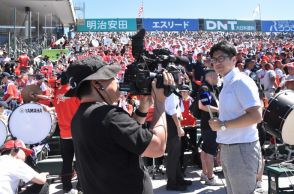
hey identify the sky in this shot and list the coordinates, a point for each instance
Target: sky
(207, 9)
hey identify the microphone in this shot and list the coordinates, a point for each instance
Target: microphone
(205, 98)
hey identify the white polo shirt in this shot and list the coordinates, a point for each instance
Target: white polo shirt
(172, 105)
(238, 94)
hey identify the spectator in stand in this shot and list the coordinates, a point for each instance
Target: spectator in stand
(198, 73)
(287, 82)
(23, 61)
(13, 169)
(31, 80)
(240, 66)
(249, 66)
(279, 71)
(47, 94)
(4, 112)
(269, 81)
(10, 91)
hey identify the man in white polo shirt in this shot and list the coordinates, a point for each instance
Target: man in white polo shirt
(239, 112)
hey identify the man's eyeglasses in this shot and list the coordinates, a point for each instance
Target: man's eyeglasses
(219, 59)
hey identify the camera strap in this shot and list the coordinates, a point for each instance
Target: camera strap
(100, 95)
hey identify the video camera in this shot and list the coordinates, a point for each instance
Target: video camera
(149, 65)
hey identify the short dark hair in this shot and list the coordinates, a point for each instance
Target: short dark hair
(225, 47)
(84, 89)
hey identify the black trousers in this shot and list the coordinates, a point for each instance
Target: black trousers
(67, 154)
(188, 143)
(173, 168)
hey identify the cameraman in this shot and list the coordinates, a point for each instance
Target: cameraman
(109, 142)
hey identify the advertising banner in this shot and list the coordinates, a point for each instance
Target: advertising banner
(229, 25)
(54, 54)
(171, 24)
(107, 25)
(277, 26)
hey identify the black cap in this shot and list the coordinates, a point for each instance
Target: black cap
(90, 68)
(5, 74)
(184, 88)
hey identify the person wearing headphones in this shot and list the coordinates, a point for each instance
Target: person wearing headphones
(13, 169)
(108, 142)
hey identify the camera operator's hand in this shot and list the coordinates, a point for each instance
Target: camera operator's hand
(158, 93)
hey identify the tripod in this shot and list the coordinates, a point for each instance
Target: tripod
(155, 169)
(276, 155)
(290, 151)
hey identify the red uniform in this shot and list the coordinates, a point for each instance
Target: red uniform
(65, 108)
(188, 119)
(10, 90)
(23, 60)
(48, 92)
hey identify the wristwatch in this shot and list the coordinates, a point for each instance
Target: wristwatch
(223, 126)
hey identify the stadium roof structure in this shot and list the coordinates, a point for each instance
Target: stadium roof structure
(49, 11)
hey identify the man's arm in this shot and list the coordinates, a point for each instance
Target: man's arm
(40, 178)
(252, 116)
(145, 103)
(9, 99)
(205, 108)
(177, 121)
(156, 147)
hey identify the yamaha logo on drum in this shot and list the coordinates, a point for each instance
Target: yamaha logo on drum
(31, 110)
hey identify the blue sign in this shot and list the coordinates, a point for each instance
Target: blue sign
(171, 24)
(229, 25)
(277, 26)
(107, 25)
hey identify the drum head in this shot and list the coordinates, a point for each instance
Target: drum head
(30, 123)
(288, 130)
(3, 133)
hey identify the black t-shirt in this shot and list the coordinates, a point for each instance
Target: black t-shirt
(198, 70)
(108, 144)
(205, 117)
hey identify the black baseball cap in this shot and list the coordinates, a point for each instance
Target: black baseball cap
(184, 88)
(90, 68)
(5, 74)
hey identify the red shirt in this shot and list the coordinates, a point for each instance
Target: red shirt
(23, 60)
(188, 119)
(10, 90)
(149, 116)
(65, 108)
(47, 70)
(47, 92)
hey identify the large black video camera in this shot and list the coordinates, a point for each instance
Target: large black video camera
(149, 65)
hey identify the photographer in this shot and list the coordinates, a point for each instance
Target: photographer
(108, 142)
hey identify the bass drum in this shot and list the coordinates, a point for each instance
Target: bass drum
(3, 133)
(279, 116)
(32, 123)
